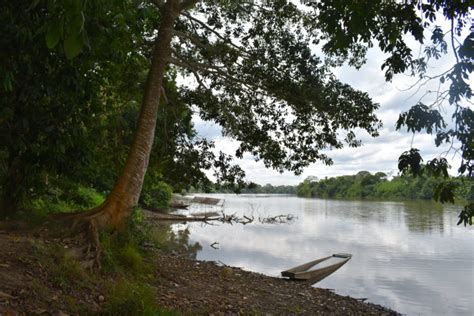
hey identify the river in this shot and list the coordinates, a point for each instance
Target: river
(409, 256)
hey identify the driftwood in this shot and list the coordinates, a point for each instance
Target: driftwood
(224, 218)
(180, 218)
(279, 219)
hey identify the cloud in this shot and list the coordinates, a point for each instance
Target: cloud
(376, 154)
(206, 129)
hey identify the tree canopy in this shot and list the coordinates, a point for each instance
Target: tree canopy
(75, 73)
(365, 185)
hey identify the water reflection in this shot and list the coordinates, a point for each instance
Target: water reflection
(174, 239)
(409, 256)
(424, 216)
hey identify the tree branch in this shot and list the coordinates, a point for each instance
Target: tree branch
(452, 41)
(219, 35)
(186, 4)
(196, 41)
(183, 64)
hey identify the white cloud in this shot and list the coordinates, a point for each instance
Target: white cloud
(376, 154)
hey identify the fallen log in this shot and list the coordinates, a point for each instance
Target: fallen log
(176, 217)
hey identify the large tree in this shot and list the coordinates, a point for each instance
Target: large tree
(274, 95)
(257, 75)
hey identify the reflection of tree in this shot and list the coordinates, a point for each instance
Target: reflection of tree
(175, 242)
(418, 216)
(422, 216)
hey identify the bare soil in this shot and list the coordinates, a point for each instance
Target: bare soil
(32, 283)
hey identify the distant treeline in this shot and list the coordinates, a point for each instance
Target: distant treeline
(251, 188)
(365, 185)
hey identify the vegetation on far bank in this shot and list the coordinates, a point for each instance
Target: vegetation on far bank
(365, 185)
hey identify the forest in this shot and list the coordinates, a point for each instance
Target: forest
(98, 101)
(94, 126)
(365, 185)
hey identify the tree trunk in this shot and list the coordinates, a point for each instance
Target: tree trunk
(124, 196)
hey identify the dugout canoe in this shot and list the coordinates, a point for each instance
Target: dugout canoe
(317, 270)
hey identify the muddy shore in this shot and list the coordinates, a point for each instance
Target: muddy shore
(183, 285)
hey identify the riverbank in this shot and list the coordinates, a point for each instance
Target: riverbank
(37, 277)
(206, 288)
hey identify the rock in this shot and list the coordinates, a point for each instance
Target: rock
(101, 298)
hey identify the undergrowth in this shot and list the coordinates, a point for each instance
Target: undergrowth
(63, 197)
(127, 259)
(129, 297)
(125, 280)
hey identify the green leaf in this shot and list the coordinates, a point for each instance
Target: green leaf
(467, 214)
(438, 167)
(73, 45)
(410, 162)
(53, 34)
(76, 24)
(444, 191)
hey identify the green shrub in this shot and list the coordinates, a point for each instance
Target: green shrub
(122, 252)
(131, 257)
(39, 208)
(87, 197)
(157, 195)
(62, 196)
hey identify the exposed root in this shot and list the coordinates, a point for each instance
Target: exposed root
(85, 228)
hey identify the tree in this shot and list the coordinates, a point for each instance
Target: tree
(250, 90)
(66, 117)
(256, 75)
(42, 124)
(351, 28)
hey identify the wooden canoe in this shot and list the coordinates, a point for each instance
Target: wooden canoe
(205, 200)
(317, 270)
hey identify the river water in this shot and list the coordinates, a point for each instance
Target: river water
(409, 256)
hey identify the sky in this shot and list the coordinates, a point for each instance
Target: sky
(376, 154)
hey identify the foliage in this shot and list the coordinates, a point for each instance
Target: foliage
(156, 195)
(255, 188)
(132, 298)
(60, 196)
(283, 113)
(81, 128)
(254, 73)
(123, 253)
(364, 185)
(466, 215)
(42, 124)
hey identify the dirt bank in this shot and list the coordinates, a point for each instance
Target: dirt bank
(32, 282)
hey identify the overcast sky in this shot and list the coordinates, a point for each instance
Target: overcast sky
(376, 154)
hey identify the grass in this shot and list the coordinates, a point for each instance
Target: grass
(64, 271)
(126, 277)
(125, 280)
(128, 297)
